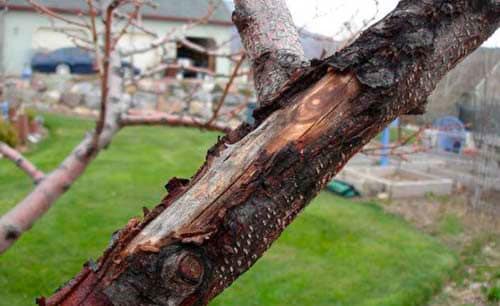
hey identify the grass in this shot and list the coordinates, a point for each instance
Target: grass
(337, 253)
(494, 294)
(451, 225)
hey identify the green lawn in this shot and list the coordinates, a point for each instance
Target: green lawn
(337, 253)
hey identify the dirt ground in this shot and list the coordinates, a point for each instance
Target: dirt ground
(473, 233)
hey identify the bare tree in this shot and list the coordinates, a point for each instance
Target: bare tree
(211, 229)
(118, 18)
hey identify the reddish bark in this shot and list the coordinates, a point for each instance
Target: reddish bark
(160, 118)
(21, 162)
(209, 231)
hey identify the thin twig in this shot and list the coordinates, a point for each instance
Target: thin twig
(226, 90)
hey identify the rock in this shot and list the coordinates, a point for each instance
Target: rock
(92, 100)
(144, 100)
(58, 82)
(71, 99)
(51, 97)
(172, 105)
(83, 88)
(39, 85)
(82, 111)
(475, 286)
(201, 109)
(383, 196)
(234, 123)
(203, 96)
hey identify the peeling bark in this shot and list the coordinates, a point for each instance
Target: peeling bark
(272, 43)
(210, 230)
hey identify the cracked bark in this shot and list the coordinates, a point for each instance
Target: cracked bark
(211, 229)
(271, 41)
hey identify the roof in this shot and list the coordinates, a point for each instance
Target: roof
(171, 10)
(317, 45)
(314, 45)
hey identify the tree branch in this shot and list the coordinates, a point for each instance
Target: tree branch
(22, 217)
(210, 230)
(272, 43)
(159, 118)
(234, 75)
(21, 162)
(111, 119)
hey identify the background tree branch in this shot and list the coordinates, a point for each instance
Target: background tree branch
(114, 107)
(21, 162)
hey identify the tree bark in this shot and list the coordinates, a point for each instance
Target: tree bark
(272, 42)
(210, 230)
(21, 162)
(159, 118)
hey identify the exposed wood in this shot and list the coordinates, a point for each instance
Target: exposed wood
(210, 230)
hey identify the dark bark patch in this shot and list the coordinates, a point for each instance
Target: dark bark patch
(376, 77)
(11, 232)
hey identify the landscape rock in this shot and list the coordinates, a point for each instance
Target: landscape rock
(51, 97)
(201, 109)
(71, 99)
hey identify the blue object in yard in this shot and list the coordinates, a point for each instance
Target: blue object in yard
(251, 107)
(27, 72)
(451, 134)
(5, 110)
(395, 123)
(386, 138)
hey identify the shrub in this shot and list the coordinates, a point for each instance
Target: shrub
(8, 134)
(31, 113)
(494, 294)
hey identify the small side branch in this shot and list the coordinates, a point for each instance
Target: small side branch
(272, 42)
(21, 162)
(234, 75)
(159, 118)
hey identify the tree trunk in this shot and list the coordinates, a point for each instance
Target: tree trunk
(210, 230)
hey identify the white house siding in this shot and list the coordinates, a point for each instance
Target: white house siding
(2, 30)
(25, 32)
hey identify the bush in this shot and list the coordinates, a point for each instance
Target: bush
(8, 134)
(31, 113)
(494, 294)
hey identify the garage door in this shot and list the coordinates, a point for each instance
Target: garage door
(47, 39)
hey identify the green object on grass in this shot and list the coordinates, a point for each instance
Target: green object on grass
(343, 189)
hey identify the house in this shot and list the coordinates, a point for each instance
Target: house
(23, 31)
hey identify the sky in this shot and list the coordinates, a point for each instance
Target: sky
(328, 16)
